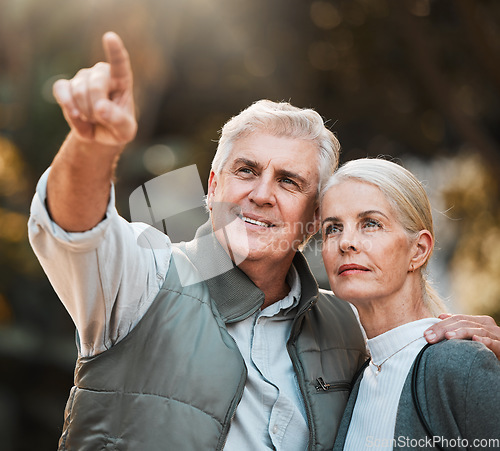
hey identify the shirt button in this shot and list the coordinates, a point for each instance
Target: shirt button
(275, 429)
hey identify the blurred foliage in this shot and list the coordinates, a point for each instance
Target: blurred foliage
(475, 266)
(414, 79)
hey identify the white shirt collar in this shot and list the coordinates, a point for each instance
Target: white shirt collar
(291, 300)
(387, 344)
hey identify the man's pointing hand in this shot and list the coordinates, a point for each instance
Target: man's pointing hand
(98, 102)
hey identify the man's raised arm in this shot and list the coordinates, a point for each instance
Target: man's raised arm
(98, 105)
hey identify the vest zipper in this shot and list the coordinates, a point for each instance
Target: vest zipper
(234, 406)
(226, 431)
(300, 373)
(323, 386)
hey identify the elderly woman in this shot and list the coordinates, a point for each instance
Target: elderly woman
(377, 239)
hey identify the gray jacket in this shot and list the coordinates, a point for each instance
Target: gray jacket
(175, 381)
(458, 387)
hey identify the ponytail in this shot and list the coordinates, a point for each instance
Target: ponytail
(432, 300)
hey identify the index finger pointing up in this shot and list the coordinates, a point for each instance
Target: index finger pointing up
(117, 56)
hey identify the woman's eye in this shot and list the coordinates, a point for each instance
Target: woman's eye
(332, 229)
(372, 224)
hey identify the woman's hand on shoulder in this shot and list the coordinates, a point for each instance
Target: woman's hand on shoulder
(490, 343)
(467, 327)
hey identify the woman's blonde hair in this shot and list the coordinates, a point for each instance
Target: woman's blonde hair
(408, 198)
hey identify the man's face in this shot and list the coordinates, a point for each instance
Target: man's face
(264, 201)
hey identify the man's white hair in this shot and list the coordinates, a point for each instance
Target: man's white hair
(282, 120)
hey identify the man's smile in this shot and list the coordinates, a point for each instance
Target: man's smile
(258, 222)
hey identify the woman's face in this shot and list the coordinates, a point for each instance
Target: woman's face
(366, 252)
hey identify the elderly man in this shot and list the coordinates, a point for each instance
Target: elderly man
(173, 355)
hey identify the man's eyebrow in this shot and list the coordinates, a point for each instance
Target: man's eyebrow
(246, 162)
(281, 172)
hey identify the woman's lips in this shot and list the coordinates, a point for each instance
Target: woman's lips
(351, 269)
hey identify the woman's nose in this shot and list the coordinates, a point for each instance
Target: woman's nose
(349, 243)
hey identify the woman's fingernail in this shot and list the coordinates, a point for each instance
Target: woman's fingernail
(451, 334)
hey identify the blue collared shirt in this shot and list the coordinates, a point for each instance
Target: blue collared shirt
(271, 414)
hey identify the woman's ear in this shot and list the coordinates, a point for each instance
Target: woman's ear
(212, 184)
(423, 247)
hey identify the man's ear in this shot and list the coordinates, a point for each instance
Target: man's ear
(212, 184)
(423, 247)
(315, 225)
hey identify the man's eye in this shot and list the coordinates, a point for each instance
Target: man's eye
(245, 171)
(288, 181)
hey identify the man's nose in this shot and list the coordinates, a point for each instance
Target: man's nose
(263, 192)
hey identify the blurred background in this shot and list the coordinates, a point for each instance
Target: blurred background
(418, 80)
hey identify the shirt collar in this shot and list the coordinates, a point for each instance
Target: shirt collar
(391, 342)
(235, 295)
(291, 300)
